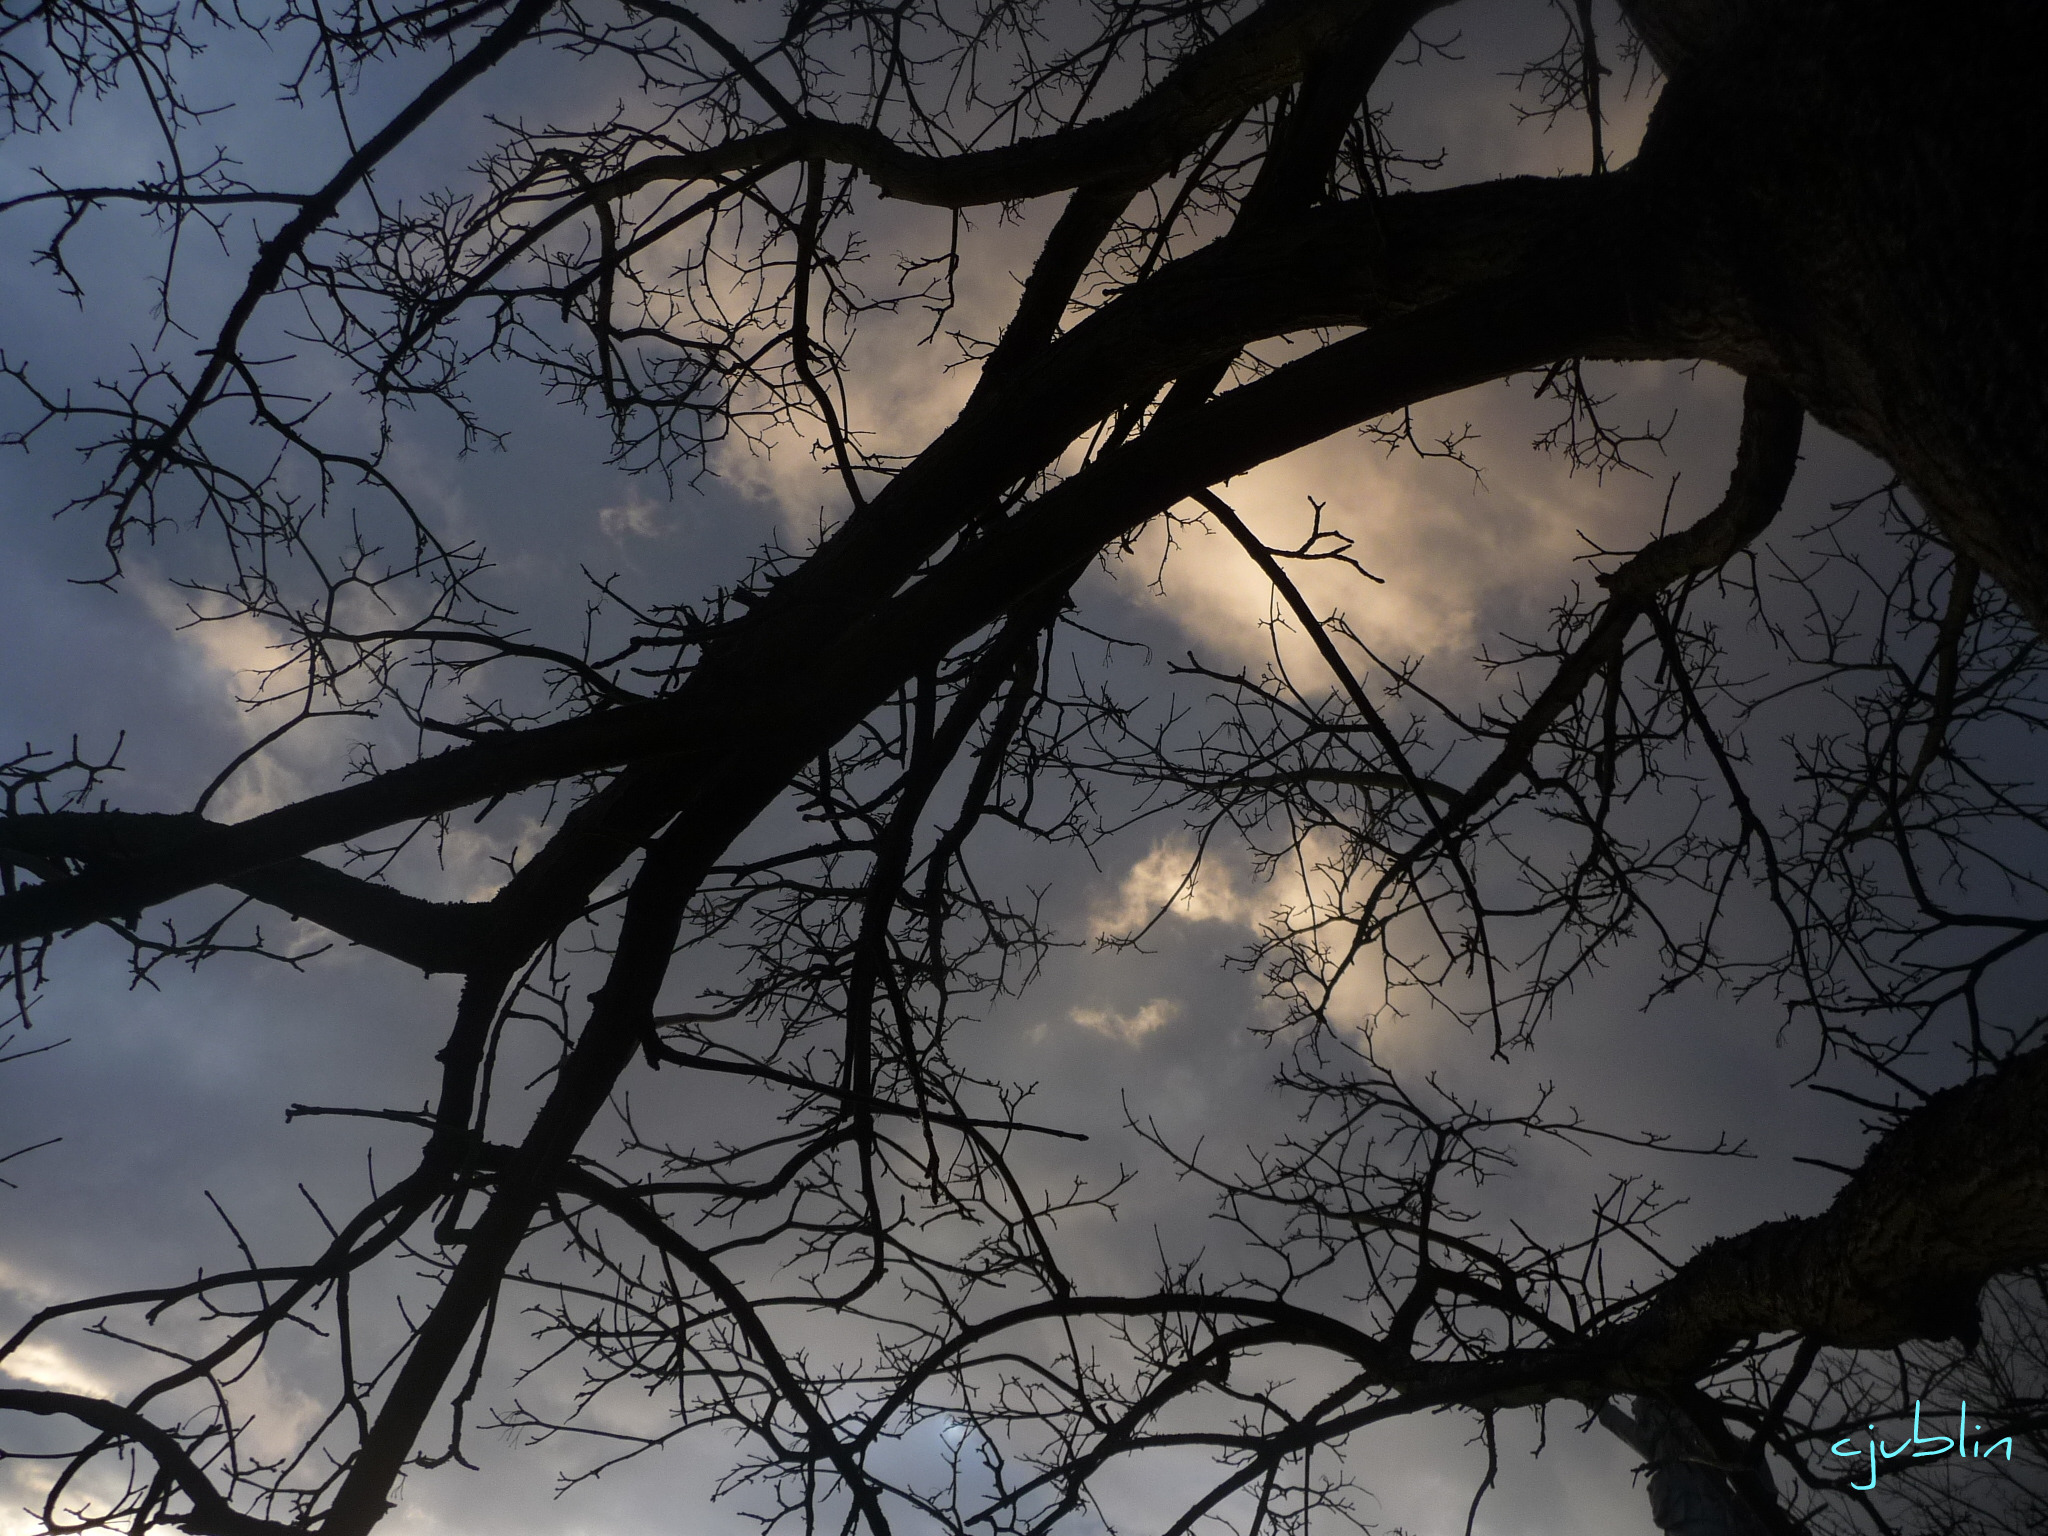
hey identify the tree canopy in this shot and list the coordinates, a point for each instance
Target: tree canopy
(957, 325)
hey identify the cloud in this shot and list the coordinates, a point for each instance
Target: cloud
(905, 377)
(1312, 895)
(236, 661)
(1166, 880)
(1460, 558)
(47, 1365)
(1128, 1027)
(1457, 559)
(637, 517)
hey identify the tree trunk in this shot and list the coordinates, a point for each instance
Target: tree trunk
(1689, 1494)
(1841, 190)
(1840, 194)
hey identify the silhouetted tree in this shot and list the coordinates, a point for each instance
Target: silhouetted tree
(1830, 200)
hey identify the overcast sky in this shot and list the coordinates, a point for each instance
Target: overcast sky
(168, 1095)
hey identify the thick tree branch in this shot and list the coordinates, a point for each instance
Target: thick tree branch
(281, 249)
(1953, 1195)
(1247, 64)
(621, 1014)
(211, 1513)
(1956, 1193)
(433, 935)
(1492, 279)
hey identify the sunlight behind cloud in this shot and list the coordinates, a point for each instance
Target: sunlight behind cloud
(908, 372)
(47, 1365)
(239, 657)
(1459, 557)
(1166, 880)
(1308, 903)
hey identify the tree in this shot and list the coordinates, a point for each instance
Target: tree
(1825, 202)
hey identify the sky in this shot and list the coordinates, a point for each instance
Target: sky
(169, 1097)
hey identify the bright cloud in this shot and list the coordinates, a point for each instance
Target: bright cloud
(1166, 879)
(47, 1365)
(1128, 1027)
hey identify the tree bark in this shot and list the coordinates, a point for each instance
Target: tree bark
(1840, 193)
(1689, 1495)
